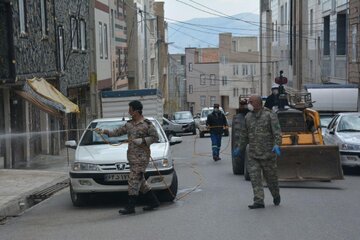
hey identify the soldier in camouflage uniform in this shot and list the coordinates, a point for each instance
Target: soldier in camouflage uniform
(262, 133)
(141, 134)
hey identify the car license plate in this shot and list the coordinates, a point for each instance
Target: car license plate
(116, 177)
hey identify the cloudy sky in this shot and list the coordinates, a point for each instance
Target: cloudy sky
(182, 10)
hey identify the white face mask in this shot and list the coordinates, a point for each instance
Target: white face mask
(250, 107)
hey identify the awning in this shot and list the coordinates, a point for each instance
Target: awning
(41, 93)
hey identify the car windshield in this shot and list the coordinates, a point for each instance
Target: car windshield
(90, 137)
(349, 123)
(182, 115)
(205, 113)
(325, 120)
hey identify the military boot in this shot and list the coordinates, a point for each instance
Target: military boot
(153, 201)
(130, 207)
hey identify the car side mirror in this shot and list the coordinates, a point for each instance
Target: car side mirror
(227, 113)
(71, 144)
(332, 131)
(175, 140)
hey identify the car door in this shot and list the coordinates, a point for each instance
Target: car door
(330, 137)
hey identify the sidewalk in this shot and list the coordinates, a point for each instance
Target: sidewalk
(19, 185)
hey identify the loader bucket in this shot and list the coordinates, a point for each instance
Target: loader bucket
(311, 162)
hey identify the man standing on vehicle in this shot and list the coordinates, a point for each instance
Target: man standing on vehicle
(274, 98)
(262, 133)
(141, 134)
(216, 121)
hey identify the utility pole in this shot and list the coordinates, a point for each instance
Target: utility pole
(145, 49)
(93, 78)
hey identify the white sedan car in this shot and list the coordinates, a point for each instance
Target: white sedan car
(344, 131)
(102, 166)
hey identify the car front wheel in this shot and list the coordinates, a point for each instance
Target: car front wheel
(168, 195)
(78, 199)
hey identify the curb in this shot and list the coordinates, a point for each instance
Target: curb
(18, 205)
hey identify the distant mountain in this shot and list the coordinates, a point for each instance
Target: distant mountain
(204, 32)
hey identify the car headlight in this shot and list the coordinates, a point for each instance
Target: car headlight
(85, 167)
(347, 146)
(161, 163)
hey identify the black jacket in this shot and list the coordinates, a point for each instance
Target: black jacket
(216, 122)
(273, 100)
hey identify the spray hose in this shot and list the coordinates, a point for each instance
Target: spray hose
(100, 133)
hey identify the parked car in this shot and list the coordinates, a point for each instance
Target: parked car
(344, 131)
(186, 119)
(201, 121)
(102, 166)
(172, 128)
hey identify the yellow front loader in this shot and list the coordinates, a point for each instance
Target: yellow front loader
(303, 153)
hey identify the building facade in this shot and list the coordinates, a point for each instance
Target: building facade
(177, 84)
(46, 39)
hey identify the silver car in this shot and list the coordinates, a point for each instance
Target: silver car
(344, 131)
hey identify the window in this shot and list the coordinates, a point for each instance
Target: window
(311, 69)
(234, 46)
(190, 89)
(285, 13)
(212, 100)
(245, 70)
(190, 67)
(44, 27)
(341, 34)
(235, 70)
(22, 16)
(106, 42)
(101, 46)
(212, 79)
(253, 69)
(74, 33)
(152, 63)
(223, 59)
(61, 48)
(244, 91)
(112, 23)
(353, 43)
(282, 17)
(327, 35)
(203, 101)
(224, 80)
(82, 34)
(234, 92)
(202, 79)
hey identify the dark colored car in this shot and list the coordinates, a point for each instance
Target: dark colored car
(186, 119)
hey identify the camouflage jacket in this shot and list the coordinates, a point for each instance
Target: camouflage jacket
(143, 129)
(261, 131)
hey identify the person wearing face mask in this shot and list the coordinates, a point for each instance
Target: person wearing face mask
(262, 133)
(273, 99)
(216, 121)
(141, 134)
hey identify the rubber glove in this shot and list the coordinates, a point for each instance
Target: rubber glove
(276, 150)
(137, 141)
(236, 152)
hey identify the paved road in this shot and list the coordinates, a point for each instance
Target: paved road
(217, 209)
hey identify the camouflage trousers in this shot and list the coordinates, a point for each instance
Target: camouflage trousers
(137, 182)
(257, 169)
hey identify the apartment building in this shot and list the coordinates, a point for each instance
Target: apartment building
(177, 83)
(202, 78)
(118, 45)
(46, 40)
(305, 39)
(239, 69)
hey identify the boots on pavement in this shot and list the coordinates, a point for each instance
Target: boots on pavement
(130, 207)
(152, 200)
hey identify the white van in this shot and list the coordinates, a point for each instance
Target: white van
(330, 99)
